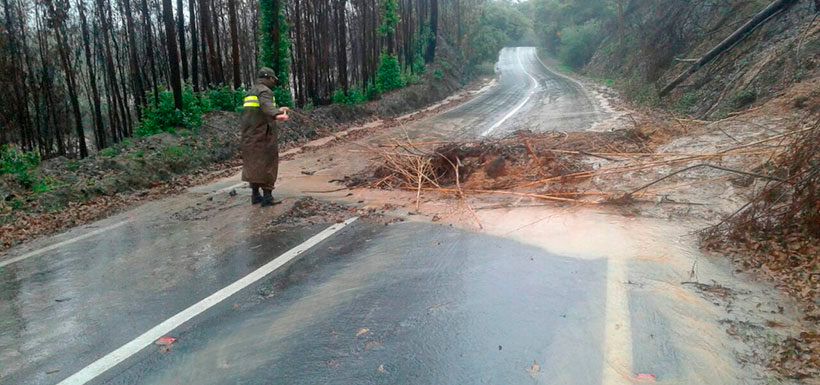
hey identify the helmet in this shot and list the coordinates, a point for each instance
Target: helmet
(266, 73)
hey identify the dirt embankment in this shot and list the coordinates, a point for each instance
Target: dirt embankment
(662, 39)
(135, 170)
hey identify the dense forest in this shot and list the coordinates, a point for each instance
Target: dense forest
(81, 75)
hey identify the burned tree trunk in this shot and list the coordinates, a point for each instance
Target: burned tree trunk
(183, 54)
(173, 56)
(99, 131)
(58, 18)
(237, 75)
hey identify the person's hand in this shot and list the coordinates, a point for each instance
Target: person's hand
(283, 118)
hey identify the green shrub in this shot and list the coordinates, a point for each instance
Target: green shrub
(354, 96)
(73, 165)
(744, 98)
(139, 154)
(418, 66)
(22, 165)
(110, 152)
(19, 163)
(687, 102)
(578, 43)
(339, 97)
(226, 99)
(164, 117)
(43, 185)
(438, 74)
(372, 92)
(411, 78)
(15, 161)
(388, 75)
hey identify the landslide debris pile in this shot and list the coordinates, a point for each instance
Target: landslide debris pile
(777, 233)
(520, 161)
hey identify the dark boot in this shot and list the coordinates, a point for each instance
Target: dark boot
(255, 196)
(267, 199)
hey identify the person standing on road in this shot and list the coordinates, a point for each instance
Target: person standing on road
(260, 135)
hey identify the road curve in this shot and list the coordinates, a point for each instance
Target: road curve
(528, 95)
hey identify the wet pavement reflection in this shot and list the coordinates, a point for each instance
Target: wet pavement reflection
(417, 303)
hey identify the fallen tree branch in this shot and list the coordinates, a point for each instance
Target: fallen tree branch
(761, 176)
(737, 36)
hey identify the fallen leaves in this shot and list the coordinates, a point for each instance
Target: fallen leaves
(797, 357)
(165, 343)
(534, 370)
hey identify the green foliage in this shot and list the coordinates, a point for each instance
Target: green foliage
(411, 78)
(554, 16)
(164, 117)
(744, 98)
(501, 24)
(19, 163)
(16, 162)
(276, 54)
(43, 185)
(418, 66)
(110, 152)
(390, 17)
(339, 97)
(438, 74)
(388, 75)
(226, 99)
(354, 97)
(372, 92)
(578, 43)
(686, 102)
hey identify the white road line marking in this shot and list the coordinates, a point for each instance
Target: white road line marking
(617, 347)
(523, 102)
(111, 360)
(60, 244)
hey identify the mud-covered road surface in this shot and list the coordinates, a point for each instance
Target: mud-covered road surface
(203, 288)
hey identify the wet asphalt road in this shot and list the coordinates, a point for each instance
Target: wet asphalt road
(413, 303)
(528, 96)
(408, 303)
